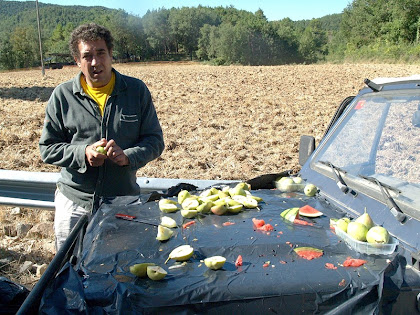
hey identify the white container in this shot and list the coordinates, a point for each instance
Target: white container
(368, 248)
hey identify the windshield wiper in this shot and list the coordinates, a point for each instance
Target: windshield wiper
(338, 179)
(392, 205)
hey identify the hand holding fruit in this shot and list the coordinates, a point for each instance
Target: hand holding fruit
(94, 157)
(116, 154)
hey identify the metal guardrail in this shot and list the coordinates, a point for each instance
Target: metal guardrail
(36, 189)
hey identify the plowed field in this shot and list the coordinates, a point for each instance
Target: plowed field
(231, 122)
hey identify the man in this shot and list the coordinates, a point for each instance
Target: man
(98, 108)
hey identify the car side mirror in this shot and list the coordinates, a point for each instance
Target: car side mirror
(306, 147)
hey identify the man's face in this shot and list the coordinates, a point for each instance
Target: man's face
(95, 61)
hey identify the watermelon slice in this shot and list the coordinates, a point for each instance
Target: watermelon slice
(308, 211)
(309, 253)
(290, 214)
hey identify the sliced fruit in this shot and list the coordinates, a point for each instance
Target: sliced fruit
(181, 253)
(308, 211)
(164, 233)
(168, 207)
(205, 207)
(140, 270)
(309, 253)
(290, 214)
(257, 222)
(215, 262)
(168, 222)
(190, 204)
(235, 208)
(182, 195)
(354, 262)
(189, 213)
(258, 199)
(248, 202)
(156, 273)
(219, 209)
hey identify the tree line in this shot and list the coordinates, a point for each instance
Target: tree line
(366, 30)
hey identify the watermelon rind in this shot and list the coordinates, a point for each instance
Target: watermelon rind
(308, 211)
(306, 248)
(290, 214)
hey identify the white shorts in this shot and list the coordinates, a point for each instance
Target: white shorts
(67, 214)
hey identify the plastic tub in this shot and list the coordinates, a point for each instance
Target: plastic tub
(368, 248)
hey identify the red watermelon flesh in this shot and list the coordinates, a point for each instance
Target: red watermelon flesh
(309, 253)
(354, 262)
(308, 211)
(257, 222)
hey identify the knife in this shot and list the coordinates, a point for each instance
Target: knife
(133, 218)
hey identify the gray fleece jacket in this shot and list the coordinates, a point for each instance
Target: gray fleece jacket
(73, 121)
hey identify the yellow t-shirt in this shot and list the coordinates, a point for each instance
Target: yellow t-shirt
(99, 95)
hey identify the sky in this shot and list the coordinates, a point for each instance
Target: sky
(273, 9)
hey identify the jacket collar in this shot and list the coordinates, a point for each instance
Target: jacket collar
(120, 84)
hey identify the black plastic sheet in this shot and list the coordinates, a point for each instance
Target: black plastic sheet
(272, 279)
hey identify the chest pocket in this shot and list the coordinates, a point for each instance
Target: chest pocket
(129, 118)
(130, 127)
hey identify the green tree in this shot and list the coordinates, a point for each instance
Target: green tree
(313, 42)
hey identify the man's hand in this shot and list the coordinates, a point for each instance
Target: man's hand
(116, 154)
(93, 157)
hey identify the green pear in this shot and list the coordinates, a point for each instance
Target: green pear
(164, 233)
(181, 253)
(168, 222)
(310, 190)
(377, 235)
(357, 231)
(237, 191)
(182, 195)
(189, 213)
(205, 207)
(101, 150)
(219, 209)
(140, 270)
(156, 273)
(365, 219)
(190, 203)
(215, 262)
(342, 224)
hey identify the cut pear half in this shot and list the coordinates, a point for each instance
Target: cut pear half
(215, 262)
(189, 213)
(190, 204)
(140, 270)
(168, 222)
(181, 253)
(168, 207)
(164, 233)
(248, 202)
(156, 273)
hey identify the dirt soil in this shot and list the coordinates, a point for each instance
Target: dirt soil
(231, 122)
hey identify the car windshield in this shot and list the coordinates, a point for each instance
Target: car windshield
(379, 138)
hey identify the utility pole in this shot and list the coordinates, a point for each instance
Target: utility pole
(39, 38)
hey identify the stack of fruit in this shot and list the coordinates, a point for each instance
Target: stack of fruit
(362, 229)
(295, 184)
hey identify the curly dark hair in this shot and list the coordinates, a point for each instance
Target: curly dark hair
(89, 32)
